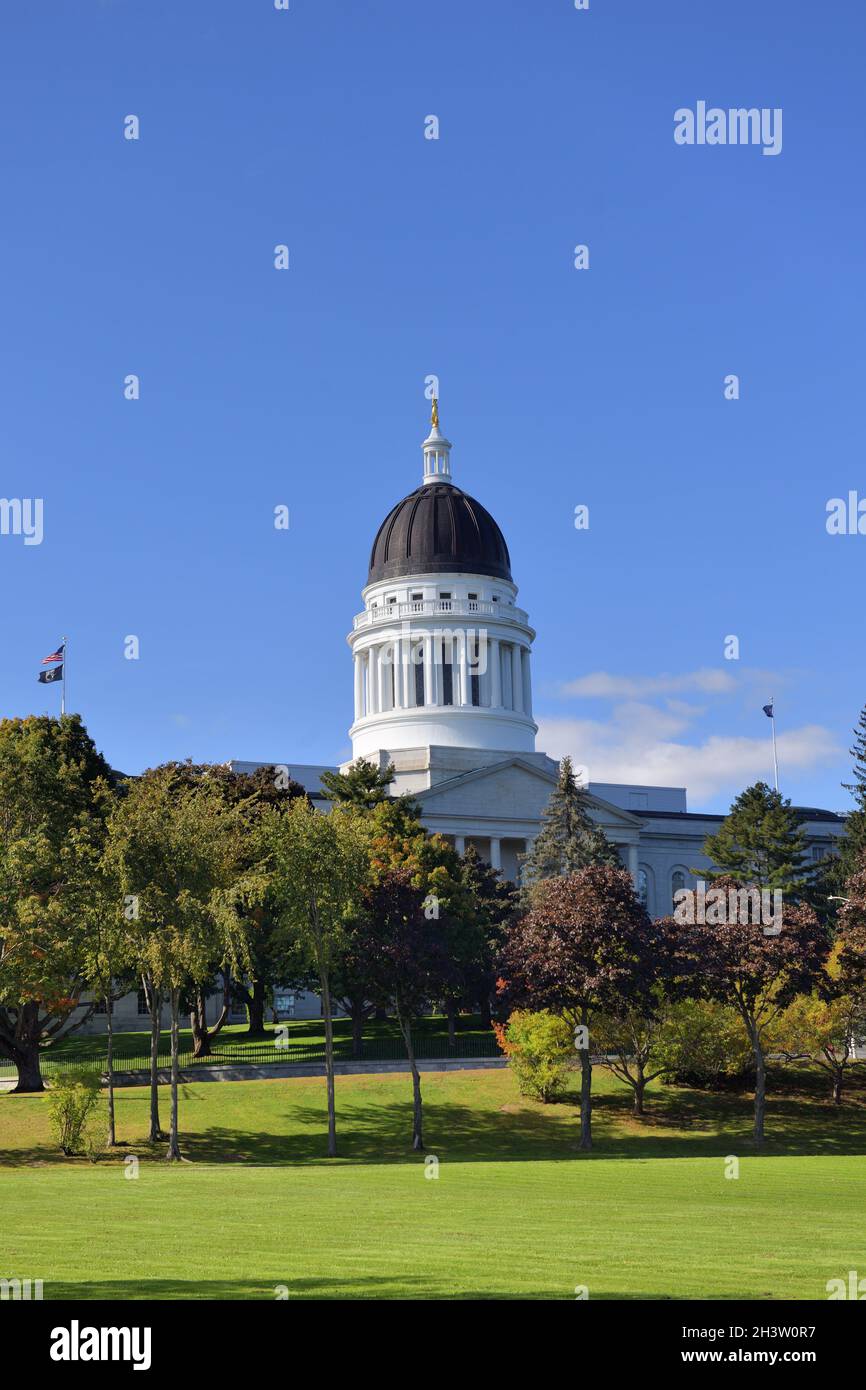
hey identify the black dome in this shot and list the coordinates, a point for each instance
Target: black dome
(438, 530)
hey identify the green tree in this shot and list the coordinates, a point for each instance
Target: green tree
(823, 1027)
(248, 793)
(702, 1043)
(760, 843)
(174, 847)
(569, 838)
(270, 963)
(364, 785)
(108, 951)
(52, 805)
(631, 1041)
(318, 867)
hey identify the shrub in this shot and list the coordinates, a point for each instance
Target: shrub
(72, 1097)
(704, 1044)
(540, 1049)
(95, 1138)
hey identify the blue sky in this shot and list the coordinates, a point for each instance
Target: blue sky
(409, 257)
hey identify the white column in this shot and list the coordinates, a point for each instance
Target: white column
(429, 674)
(372, 678)
(516, 679)
(396, 648)
(463, 659)
(495, 852)
(408, 674)
(495, 673)
(632, 864)
(460, 843)
(381, 677)
(527, 682)
(359, 686)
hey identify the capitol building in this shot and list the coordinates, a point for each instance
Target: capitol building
(442, 689)
(441, 681)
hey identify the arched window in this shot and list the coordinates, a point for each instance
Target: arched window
(643, 887)
(678, 883)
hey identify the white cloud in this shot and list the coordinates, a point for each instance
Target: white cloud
(601, 684)
(640, 744)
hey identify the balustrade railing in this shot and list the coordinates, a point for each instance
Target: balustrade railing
(398, 612)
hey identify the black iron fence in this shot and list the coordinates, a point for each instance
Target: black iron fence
(276, 1050)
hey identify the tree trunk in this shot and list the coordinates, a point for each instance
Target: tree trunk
(198, 1024)
(26, 1058)
(837, 1087)
(109, 1066)
(154, 1004)
(484, 1010)
(24, 1051)
(329, 1063)
(639, 1088)
(417, 1116)
(451, 1013)
(173, 1154)
(357, 1031)
(256, 1009)
(760, 1087)
(585, 1089)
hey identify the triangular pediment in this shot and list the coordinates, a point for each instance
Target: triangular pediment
(513, 787)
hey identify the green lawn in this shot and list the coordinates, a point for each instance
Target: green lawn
(233, 1041)
(516, 1211)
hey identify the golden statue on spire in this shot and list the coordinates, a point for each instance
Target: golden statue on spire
(434, 413)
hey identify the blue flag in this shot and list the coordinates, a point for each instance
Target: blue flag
(768, 710)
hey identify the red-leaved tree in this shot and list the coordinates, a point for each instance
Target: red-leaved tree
(756, 968)
(401, 956)
(586, 946)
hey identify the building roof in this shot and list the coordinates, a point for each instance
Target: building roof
(438, 529)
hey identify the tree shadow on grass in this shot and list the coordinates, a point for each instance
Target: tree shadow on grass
(407, 1286)
(679, 1123)
(676, 1126)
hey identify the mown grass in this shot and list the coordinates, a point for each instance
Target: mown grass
(515, 1212)
(234, 1037)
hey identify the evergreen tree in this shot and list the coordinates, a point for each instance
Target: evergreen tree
(569, 838)
(364, 785)
(853, 845)
(761, 844)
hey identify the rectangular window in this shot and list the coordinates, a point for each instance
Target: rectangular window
(142, 1003)
(417, 598)
(419, 682)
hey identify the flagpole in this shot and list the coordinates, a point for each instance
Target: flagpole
(775, 759)
(63, 684)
